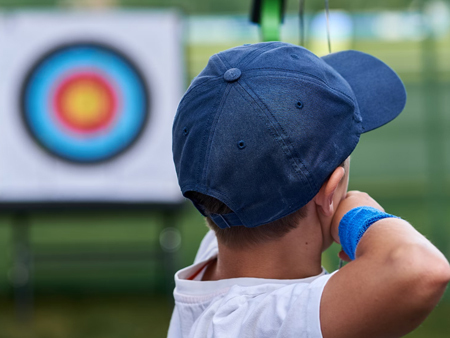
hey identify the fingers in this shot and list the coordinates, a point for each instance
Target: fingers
(359, 198)
(342, 255)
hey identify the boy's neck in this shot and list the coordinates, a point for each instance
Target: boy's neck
(296, 255)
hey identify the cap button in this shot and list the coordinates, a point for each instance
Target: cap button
(232, 74)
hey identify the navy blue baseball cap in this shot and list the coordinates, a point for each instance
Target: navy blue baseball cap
(263, 126)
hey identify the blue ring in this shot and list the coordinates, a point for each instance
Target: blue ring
(132, 98)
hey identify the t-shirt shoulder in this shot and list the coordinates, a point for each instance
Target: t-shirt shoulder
(253, 308)
(208, 247)
(245, 307)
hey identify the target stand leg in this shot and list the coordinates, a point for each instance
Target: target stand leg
(170, 241)
(20, 273)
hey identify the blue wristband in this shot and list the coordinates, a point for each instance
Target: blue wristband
(354, 224)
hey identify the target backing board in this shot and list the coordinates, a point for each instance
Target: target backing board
(87, 102)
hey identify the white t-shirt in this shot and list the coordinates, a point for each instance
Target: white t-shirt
(244, 307)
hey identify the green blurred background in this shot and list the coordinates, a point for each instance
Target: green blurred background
(104, 273)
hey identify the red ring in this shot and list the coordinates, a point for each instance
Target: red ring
(108, 113)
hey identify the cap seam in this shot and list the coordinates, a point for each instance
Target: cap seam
(186, 96)
(247, 57)
(203, 81)
(191, 89)
(297, 170)
(224, 61)
(212, 129)
(225, 64)
(321, 82)
(242, 62)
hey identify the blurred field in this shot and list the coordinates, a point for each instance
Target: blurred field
(394, 164)
(107, 317)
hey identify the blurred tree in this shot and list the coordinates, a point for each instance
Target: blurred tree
(243, 6)
(229, 6)
(96, 4)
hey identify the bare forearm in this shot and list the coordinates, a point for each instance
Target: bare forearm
(395, 281)
(406, 269)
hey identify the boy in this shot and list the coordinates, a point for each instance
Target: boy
(261, 144)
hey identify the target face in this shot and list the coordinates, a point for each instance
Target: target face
(85, 102)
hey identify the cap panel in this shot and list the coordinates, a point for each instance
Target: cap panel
(319, 124)
(248, 169)
(192, 129)
(288, 57)
(379, 91)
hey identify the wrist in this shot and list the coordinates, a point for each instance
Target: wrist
(354, 224)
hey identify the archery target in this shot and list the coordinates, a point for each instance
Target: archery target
(87, 108)
(85, 102)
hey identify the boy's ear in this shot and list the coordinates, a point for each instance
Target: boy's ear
(324, 199)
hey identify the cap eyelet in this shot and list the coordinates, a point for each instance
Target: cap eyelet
(299, 104)
(241, 144)
(294, 56)
(185, 131)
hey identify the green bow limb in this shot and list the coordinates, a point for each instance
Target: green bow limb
(269, 15)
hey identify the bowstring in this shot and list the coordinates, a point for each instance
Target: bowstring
(302, 22)
(302, 42)
(327, 14)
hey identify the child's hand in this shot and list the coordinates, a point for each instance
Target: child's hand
(352, 200)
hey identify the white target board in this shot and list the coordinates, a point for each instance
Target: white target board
(87, 102)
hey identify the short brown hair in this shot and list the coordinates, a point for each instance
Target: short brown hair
(241, 237)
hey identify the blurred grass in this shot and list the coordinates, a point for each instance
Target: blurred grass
(109, 235)
(99, 317)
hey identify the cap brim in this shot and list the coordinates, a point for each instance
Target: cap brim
(379, 91)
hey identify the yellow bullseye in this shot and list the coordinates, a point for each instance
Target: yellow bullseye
(85, 102)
